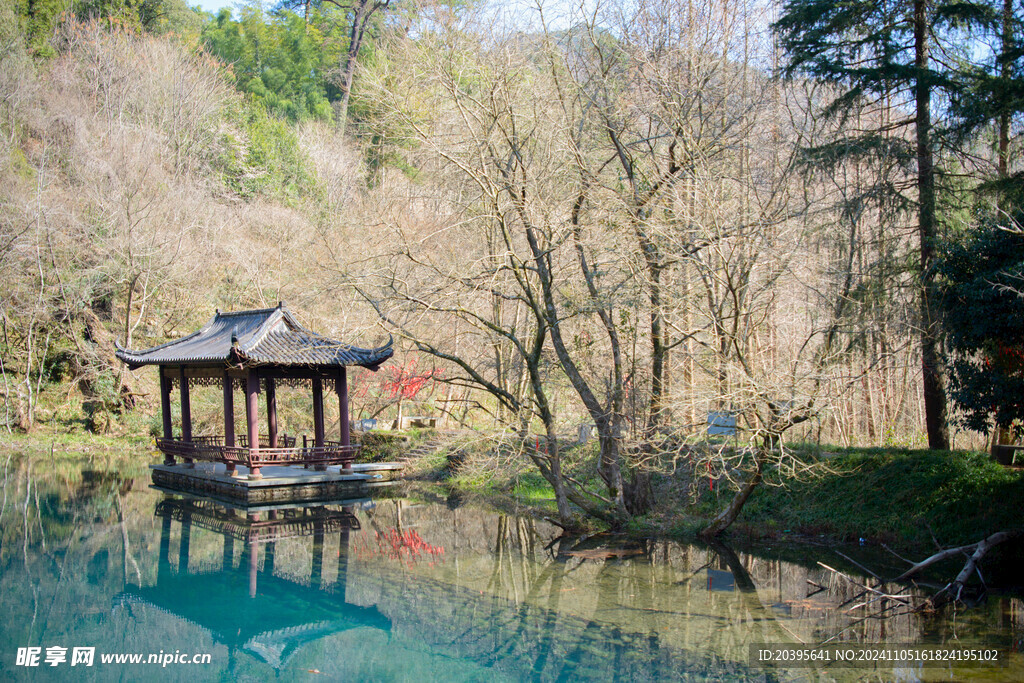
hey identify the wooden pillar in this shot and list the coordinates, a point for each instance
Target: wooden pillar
(318, 413)
(272, 411)
(229, 410)
(165, 408)
(318, 420)
(318, 417)
(186, 409)
(346, 437)
(229, 419)
(252, 405)
(342, 389)
(165, 402)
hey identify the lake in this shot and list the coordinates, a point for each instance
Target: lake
(99, 567)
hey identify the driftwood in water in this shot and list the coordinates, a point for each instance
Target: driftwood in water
(974, 553)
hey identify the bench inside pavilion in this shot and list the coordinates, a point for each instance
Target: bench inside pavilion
(258, 351)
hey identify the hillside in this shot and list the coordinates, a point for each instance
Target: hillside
(140, 191)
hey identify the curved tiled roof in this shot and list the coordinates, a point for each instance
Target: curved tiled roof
(268, 336)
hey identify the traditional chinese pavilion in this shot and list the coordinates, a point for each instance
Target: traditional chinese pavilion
(257, 351)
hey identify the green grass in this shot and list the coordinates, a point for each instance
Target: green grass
(894, 495)
(40, 441)
(531, 488)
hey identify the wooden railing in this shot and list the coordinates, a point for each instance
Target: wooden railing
(208, 449)
(283, 440)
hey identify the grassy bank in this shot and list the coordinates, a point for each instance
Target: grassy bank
(904, 498)
(77, 443)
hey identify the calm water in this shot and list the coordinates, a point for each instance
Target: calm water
(423, 587)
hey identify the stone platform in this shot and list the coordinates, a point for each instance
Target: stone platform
(279, 484)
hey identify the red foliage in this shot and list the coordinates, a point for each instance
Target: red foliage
(407, 547)
(1008, 359)
(404, 382)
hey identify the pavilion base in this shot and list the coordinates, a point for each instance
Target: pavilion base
(279, 484)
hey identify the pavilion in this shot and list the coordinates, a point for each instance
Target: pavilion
(258, 349)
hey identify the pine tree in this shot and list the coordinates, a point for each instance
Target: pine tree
(990, 92)
(869, 51)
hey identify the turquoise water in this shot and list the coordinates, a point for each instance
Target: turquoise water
(411, 587)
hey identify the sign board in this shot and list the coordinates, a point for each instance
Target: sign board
(721, 423)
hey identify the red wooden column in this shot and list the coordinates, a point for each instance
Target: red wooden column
(272, 411)
(318, 416)
(342, 388)
(229, 419)
(252, 406)
(165, 408)
(186, 410)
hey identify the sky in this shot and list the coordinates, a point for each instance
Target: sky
(212, 6)
(522, 8)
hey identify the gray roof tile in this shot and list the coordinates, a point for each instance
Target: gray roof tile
(269, 336)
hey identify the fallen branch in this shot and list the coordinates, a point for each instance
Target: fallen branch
(984, 546)
(956, 588)
(974, 552)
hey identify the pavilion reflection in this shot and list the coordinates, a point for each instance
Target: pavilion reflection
(250, 607)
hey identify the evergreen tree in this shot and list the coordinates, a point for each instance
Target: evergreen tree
(359, 15)
(276, 59)
(990, 92)
(872, 50)
(983, 288)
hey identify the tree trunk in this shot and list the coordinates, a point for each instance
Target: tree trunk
(727, 516)
(362, 10)
(556, 479)
(609, 468)
(932, 362)
(1004, 72)
(659, 350)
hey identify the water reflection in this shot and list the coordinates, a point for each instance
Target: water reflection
(248, 607)
(426, 586)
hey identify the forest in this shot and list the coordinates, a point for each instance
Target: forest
(801, 218)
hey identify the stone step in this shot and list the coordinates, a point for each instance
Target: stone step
(425, 448)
